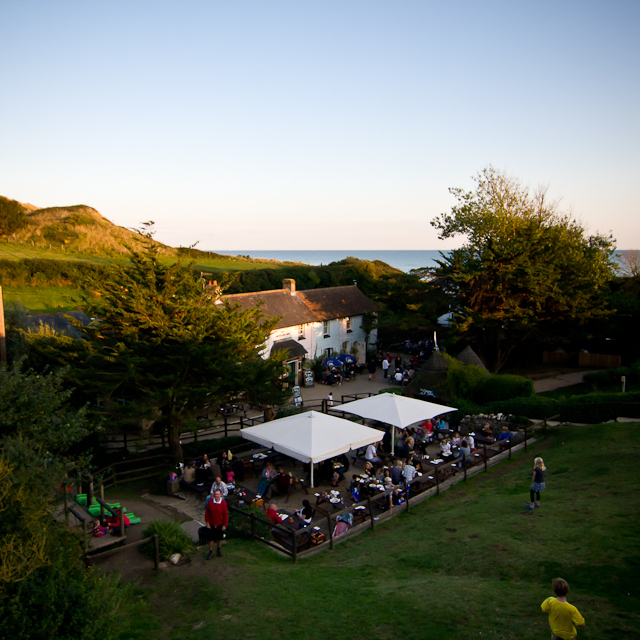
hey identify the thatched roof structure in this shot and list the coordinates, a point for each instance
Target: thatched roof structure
(431, 377)
(469, 356)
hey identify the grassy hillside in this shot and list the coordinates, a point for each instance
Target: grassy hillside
(472, 563)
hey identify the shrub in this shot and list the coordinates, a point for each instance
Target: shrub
(240, 524)
(171, 539)
(504, 387)
(464, 380)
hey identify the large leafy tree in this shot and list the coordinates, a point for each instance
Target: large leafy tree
(165, 348)
(526, 269)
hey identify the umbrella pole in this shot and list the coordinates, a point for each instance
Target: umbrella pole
(311, 462)
(393, 439)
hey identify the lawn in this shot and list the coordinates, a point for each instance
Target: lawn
(471, 563)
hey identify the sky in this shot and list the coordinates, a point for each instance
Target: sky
(303, 124)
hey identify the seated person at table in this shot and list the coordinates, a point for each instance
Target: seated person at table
(189, 474)
(455, 442)
(396, 472)
(220, 486)
(237, 466)
(281, 482)
(306, 513)
(203, 475)
(486, 432)
(224, 463)
(327, 377)
(369, 468)
(205, 461)
(445, 448)
(267, 477)
(472, 442)
(506, 434)
(372, 453)
(409, 471)
(465, 449)
(272, 513)
(337, 375)
(379, 475)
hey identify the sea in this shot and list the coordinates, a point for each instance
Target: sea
(403, 260)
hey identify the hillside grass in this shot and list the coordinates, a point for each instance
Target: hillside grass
(471, 563)
(43, 299)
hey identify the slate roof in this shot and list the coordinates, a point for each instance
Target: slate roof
(311, 305)
(294, 348)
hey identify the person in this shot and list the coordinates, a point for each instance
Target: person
(216, 517)
(409, 471)
(372, 454)
(472, 442)
(267, 477)
(205, 461)
(371, 368)
(465, 450)
(220, 486)
(396, 472)
(203, 475)
(369, 469)
(455, 442)
(189, 474)
(269, 413)
(486, 432)
(398, 376)
(445, 448)
(385, 367)
(337, 375)
(330, 399)
(563, 617)
(282, 482)
(537, 483)
(506, 434)
(306, 513)
(272, 513)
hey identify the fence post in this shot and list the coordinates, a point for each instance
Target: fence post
(484, 447)
(85, 536)
(408, 493)
(464, 467)
(371, 513)
(509, 447)
(121, 522)
(162, 436)
(294, 546)
(156, 551)
(525, 438)
(90, 491)
(226, 427)
(330, 531)
(437, 480)
(324, 405)
(253, 526)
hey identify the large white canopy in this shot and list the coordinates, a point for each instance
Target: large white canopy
(396, 410)
(312, 436)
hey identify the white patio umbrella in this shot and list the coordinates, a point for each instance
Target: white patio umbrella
(312, 436)
(395, 410)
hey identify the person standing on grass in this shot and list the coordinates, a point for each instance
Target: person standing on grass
(216, 516)
(563, 617)
(537, 483)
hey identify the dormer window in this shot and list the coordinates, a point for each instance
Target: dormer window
(301, 332)
(325, 328)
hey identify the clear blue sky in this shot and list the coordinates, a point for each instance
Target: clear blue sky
(332, 124)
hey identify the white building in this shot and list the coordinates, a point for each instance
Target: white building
(312, 323)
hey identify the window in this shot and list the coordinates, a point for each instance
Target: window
(325, 328)
(328, 352)
(301, 332)
(348, 321)
(345, 347)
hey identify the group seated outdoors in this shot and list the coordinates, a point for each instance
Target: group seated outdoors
(422, 456)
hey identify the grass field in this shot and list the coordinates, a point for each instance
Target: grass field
(471, 563)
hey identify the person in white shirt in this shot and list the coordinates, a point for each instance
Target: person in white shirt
(398, 376)
(385, 367)
(372, 453)
(409, 471)
(220, 486)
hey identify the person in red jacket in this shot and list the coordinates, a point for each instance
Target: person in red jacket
(216, 516)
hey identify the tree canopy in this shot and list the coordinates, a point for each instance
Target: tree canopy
(526, 268)
(164, 347)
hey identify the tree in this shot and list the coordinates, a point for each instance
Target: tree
(629, 263)
(12, 216)
(526, 269)
(165, 348)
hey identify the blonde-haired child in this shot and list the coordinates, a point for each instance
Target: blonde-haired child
(537, 483)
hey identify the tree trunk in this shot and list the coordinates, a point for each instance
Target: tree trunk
(173, 431)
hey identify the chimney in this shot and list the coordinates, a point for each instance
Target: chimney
(288, 284)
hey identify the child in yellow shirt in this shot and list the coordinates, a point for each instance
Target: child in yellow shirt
(562, 616)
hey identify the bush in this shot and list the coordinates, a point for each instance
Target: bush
(171, 539)
(464, 380)
(240, 524)
(12, 216)
(504, 387)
